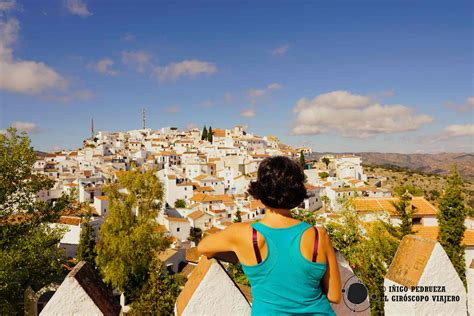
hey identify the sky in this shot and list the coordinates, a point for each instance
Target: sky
(340, 76)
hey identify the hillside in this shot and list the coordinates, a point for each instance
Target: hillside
(438, 164)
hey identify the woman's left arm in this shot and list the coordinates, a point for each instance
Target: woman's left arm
(223, 241)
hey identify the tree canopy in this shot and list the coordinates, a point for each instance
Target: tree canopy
(28, 244)
(128, 237)
(451, 217)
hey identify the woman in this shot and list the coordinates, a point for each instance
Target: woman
(291, 265)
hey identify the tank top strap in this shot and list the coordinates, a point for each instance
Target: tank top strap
(281, 235)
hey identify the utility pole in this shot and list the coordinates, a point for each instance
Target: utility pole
(143, 118)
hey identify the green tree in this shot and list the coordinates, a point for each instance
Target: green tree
(451, 216)
(404, 211)
(326, 161)
(413, 190)
(323, 175)
(159, 294)
(302, 160)
(237, 274)
(86, 249)
(238, 216)
(29, 250)
(127, 238)
(368, 247)
(180, 203)
(210, 134)
(204, 133)
(305, 216)
(195, 234)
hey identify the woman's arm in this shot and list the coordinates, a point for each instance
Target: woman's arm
(222, 241)
(332, 278)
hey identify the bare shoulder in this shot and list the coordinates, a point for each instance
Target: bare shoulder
(237, 229)
(323, 235)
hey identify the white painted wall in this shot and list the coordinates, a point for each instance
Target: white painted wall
(217, 295)
(70, 299)
(438, 272)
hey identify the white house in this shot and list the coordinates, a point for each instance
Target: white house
(350, 166)
(178, 227)
(101, 204)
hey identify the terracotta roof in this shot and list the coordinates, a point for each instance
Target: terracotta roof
(218, 132)
(213, 230)
(92, 284)
(204, 189)
(176, 219)
(410, 260)
(254, 204)
(185, 184)
(70, 185)
(70, 220)
(431, 232)
(165, 255)
(311, 187)
(166, 153)
(192, 284)
(201, 197)
(196, 214)
(160, 229)
(15, 219)
(421, 206)
(192, 255)
(102, 197)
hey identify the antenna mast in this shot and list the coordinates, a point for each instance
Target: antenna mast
(143, 118)
(92, 128)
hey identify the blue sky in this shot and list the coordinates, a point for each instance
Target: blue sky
(388, 76)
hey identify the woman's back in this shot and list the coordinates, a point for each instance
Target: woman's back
(285, 282)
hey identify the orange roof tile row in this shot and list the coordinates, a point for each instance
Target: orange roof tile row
(431, 232)
(420, 205)
(202, 198)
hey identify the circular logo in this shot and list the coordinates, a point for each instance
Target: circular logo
(355, 295)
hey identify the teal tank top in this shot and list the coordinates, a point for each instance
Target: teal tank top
(285, 282)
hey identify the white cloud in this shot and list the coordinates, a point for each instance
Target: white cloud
(139, 60)
(79, 95)
(7, 5)
(104, 66)
(254, 94)
(77, 7)
(185, 68)
(191, 126)
(281, 50)
(457, 130)
(23, 76)
(247, 113)
(468, 105)
(172, 109)
(28, 127)
(353, 115)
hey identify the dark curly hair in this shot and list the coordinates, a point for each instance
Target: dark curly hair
(280, 183)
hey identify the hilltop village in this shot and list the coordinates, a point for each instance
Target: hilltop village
(205, 183)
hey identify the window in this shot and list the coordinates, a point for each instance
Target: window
(177, 229)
